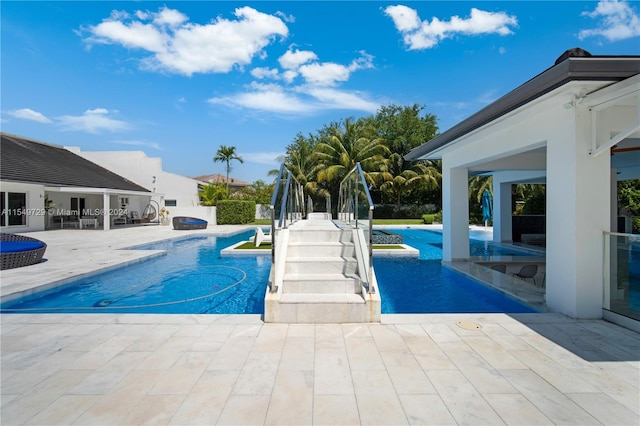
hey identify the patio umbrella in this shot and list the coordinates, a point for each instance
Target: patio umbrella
(487, 207)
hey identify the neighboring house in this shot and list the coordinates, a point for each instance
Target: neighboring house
(170, 190)
(47, 186)
(234, 184)
(575, 127)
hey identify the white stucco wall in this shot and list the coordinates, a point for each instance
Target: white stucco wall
(34, 210)
(139, 168)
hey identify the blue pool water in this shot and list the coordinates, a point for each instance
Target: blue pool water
(192, 278)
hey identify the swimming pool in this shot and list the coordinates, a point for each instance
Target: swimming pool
(193, 279)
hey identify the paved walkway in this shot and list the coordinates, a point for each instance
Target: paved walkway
(475, 369)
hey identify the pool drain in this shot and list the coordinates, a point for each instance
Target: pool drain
(468, 325)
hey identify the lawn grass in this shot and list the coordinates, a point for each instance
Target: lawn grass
(251, 246)
(262, 222)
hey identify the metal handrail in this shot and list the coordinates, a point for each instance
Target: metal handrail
(348, 197)
(291, 205)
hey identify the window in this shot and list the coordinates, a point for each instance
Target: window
(170, 203)
(14, 208)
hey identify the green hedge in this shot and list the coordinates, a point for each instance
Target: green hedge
(235, 212)
(428, 218)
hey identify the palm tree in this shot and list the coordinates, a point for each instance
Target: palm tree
(336, 155)
(210, 194)
(402, 176)
(226, 154)
(338, 152)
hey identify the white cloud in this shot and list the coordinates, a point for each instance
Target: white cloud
(269, 158)
(293, 59)
(339, 99)
(29, 114)
(617, 21)
(93, 121)
(318, 90)
(405, 18)
(153, 145)
(271, 99)
(264, 72)
(180, 47)
(418, 34)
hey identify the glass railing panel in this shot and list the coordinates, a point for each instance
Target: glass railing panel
(622, 274)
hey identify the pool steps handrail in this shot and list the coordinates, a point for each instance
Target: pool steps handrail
(291, 207)
(353, 183)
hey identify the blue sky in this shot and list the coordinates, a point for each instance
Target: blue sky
(179, 79)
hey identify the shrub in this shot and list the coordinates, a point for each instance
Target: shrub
(437, 218)
(235, 212)
(635, 224)
(428, 218)
(406, 211)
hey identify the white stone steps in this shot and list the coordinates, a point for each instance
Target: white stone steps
(313, 298)
(320, 265)
(321, 283)
(321, 248)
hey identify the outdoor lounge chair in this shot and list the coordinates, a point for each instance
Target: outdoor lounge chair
(18, 250)
(186, 223)
(527, 271)
(260, 237)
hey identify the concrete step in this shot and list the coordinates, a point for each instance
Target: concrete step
(315, 235)
(321, 249)
(320, 265)
(321, 298)
(321, 284)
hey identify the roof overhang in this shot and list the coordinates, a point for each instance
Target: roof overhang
(601, 70)
(102, 191)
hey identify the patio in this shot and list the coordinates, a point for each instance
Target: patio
(234, 369)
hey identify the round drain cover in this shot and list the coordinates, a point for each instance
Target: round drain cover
(469, 325)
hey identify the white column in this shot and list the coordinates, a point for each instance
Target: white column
(106, 217)
(455, 213)
(502, 221)
(578, 211)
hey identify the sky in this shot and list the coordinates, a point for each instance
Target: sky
(179, 79)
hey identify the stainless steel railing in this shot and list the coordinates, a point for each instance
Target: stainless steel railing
(287, 204)
(355, 207)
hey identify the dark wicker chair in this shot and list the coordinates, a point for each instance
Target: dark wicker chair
(185, 223)
(18, 250)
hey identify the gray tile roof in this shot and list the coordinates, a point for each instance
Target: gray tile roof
(25, 160)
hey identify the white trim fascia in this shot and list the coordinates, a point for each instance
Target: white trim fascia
(571, 88)
(86, 190)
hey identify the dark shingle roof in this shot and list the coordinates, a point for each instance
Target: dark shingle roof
(25, 160)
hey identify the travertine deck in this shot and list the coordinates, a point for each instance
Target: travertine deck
(417, 369)
(234, 369)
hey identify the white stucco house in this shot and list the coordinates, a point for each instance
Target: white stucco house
(575, 127)
(169, 189)
(45, 186)
(178, 194)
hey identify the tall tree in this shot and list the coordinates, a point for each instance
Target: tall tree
(402, 176)
(403, 127)
(348, 144)
(226, 154)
